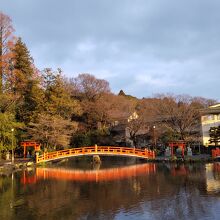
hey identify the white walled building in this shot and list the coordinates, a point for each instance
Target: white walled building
(210, 118)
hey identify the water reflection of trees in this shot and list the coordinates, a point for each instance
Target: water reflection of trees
(167, 194)
(6, 194)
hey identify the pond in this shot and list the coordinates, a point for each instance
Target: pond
(119, 188)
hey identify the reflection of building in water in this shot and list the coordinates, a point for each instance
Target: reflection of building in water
(213, 177)
(92, 175)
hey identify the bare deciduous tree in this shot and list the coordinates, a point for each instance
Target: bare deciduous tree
(6, 43)
(52, 131)
(89, 87)
(178, 114)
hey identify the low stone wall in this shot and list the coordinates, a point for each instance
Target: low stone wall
(7, 167)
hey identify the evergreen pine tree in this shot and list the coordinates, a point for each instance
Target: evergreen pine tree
(23, 68)
(121, 93)
(25, 84)
(58, 100)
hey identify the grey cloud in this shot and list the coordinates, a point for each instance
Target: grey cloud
(172, 45)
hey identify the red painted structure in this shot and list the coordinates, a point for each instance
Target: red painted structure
(177, 144)
(89, 175)
(26, 144)
(216, 153)
(96, 150)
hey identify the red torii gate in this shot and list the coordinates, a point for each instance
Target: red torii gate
(178, 144)
(216, 153)
(26, 144)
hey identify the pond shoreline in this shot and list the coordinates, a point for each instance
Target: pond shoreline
(6, 167)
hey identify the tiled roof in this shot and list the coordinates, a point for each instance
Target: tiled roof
(214, 109)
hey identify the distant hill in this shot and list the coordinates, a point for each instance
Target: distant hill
(122, 93)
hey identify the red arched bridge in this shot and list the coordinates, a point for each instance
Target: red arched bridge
(96, 150)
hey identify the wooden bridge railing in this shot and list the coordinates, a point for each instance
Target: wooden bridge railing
(94, 150)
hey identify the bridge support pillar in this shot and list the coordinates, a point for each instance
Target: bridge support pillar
(96, 159)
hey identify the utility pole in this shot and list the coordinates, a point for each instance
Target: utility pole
(154, 137)
(12, 144)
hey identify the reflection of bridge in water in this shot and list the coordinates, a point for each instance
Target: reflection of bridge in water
(90, 175)
(109, 174)
(96, 150)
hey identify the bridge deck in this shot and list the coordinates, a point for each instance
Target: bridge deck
(96, 150)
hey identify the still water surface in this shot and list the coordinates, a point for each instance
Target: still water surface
(118, 189)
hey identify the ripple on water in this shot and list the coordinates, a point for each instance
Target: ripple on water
(139, 192)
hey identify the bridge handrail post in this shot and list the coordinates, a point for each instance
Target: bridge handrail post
(153, 155)
(37, 157)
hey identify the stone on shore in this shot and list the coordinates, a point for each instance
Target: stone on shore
(30, 164)
(96, 159)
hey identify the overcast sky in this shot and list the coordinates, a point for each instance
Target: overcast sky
(141, 46)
